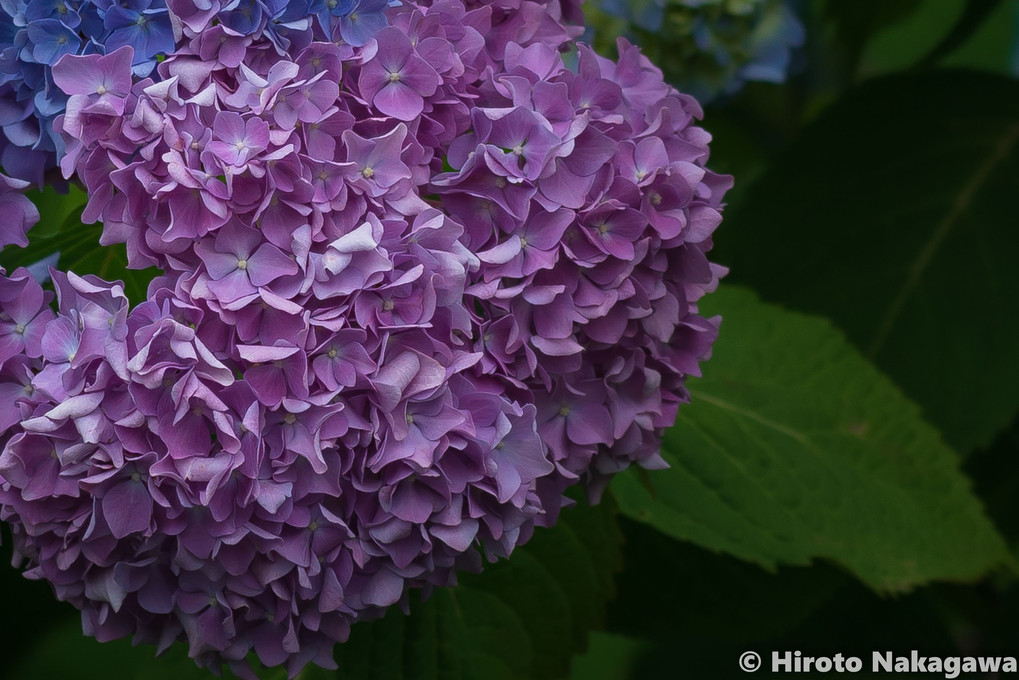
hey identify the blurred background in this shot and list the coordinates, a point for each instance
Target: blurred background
(873, 145)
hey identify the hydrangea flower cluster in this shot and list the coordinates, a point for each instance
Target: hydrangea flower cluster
(35, 34)
(707, 47)
(413, 289)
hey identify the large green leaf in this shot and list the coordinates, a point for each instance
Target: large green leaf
(707, 597)
(794, 448)
(995, 473)
(37, 609)
(856, 23)
(520, 619)
(60, 230)
(992, 45)
(610, 657)
(894, 215)
(916, 29)
(55, 208)
(63, 652)
(975, 17)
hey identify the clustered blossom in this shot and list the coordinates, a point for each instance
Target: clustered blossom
(35, 34)
(413, 290)
(707, 47)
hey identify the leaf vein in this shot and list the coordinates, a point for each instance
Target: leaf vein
(926, 253)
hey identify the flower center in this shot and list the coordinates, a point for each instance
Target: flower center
(101, 89)
(332, 353)
(290, 419)
(20, 329)
(242, 264)
(368, 173)
(564, 411)
(394, 77)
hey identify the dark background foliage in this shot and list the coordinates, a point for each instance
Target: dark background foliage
(847, 476)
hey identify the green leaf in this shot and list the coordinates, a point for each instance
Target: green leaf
(707, 597)
(894, 215)
(992, 46)
(904, 43)
(973, 17)
(37, 609)
(54, 209)
(795, 448)
(855, 23)
(65, 653)
(609, 657)
(80, 252)
(855, 622)
(520, 619)
(995, 473)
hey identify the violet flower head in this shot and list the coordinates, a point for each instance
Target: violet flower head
(237, 140)
(395, 78)
(419, 278)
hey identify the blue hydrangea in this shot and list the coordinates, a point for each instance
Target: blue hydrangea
(357, 20)
(706, 47)
(34, 35)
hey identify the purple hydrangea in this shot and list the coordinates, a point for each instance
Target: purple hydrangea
(413, 290)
